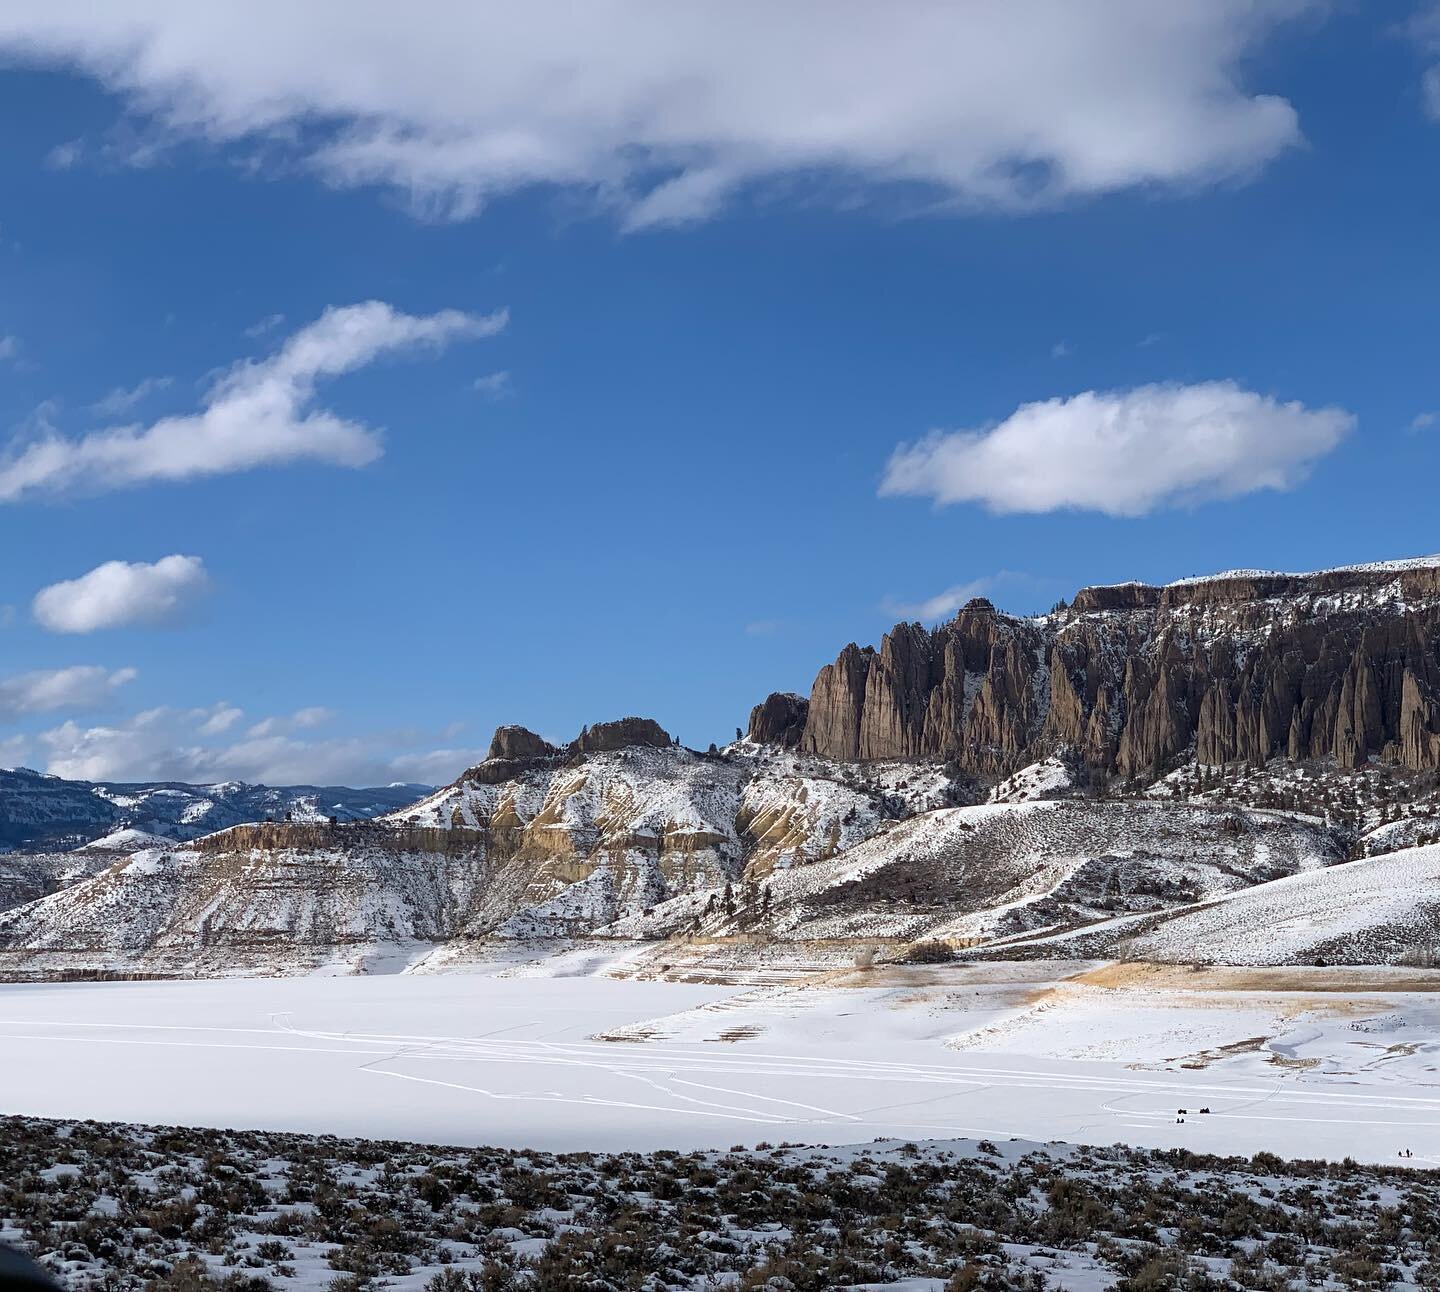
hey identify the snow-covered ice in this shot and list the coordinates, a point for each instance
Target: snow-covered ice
(998, 1051)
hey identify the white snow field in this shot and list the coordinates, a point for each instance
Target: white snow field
(1038, 1051)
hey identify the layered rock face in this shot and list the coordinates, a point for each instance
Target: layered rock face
(1240, 667)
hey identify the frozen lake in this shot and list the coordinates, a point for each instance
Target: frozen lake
(516, 1062)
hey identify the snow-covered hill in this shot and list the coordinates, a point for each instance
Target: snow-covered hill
(1379, 910)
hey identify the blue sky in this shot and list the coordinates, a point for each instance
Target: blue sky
(641, 469)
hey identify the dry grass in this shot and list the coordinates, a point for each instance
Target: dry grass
(1281, 978)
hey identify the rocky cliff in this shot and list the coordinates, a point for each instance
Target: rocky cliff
(1238, 667)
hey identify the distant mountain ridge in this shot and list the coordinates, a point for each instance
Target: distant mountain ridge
(46, 813)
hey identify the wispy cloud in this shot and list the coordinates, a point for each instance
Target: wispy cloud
(944, 604)
(495, 385)
(66, 156)
(122, 399)
(264, 326)
(258, 413)
(82, 687)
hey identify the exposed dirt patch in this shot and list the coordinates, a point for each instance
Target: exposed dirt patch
(1218, 1054)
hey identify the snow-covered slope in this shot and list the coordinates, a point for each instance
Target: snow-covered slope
(974, 873)
(1374, 911)
(1379, 910)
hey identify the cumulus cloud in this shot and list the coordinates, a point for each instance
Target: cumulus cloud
(1123, 453)
(177, 745)
(260, 412)
(119, 593)
(123, 398)
(664, 111)
(81, 687)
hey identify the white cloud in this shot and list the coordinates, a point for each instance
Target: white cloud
(1423, 421)
(119, 593)
(172, 745)
(664, 111)
(81, 687)
(256, 414)
(9, 347)
(1123, 453)
(122, 399)
(495, 385)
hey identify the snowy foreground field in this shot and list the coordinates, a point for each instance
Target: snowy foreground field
(1303, 1063)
